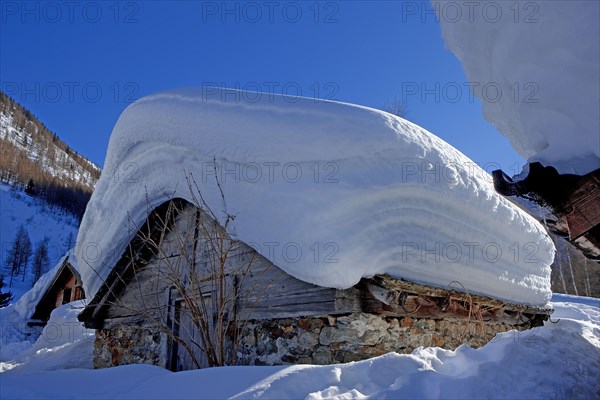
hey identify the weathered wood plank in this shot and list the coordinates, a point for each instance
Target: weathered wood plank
(585, 210)
(410, 287)
(388, 296)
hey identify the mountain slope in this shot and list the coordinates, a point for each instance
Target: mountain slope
(33, 156)
(44, 186)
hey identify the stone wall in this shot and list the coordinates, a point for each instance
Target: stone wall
(354, 337)
(310, 340)
(129, 344)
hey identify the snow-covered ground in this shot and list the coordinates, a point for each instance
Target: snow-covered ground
(535, 67)
(63, 343)
(559, 360)
(330, 192)
(15, 334)
(17, 208)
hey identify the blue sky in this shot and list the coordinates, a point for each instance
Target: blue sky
(77, 65)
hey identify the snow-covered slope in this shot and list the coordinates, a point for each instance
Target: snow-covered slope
(536, 67)
(33, 141)
(557, 361)
(329, 192)
(40, 221)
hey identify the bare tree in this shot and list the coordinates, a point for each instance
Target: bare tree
(205, 269)
(396, 107)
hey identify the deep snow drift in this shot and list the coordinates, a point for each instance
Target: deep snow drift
(536, 68)
(558, 360)
(15, 334)
(329, 192)
(63, 343)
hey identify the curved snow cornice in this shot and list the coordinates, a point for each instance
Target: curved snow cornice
(536, 68)
(329, 192)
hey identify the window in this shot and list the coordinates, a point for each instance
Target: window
(66, 296)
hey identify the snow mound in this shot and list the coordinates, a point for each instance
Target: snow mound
(536, 68)
(63, 343)
(329, 192)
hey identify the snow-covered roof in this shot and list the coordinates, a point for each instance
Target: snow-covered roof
(26, 305)
(329, 192)
(536, 68)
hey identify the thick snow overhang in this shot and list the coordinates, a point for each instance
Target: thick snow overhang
(354, 191)
(535, 66)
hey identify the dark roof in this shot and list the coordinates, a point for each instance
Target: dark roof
(574, 199)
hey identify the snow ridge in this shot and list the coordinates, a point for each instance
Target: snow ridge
(329, 192)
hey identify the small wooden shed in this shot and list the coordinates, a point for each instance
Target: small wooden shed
(186, 295)
(65, 288)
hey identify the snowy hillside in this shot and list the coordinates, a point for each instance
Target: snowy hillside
(40, 220)
(560, 360)
(22, 136)
(535, 67)
(343, 191)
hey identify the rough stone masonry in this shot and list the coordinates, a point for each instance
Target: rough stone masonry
(310, 340)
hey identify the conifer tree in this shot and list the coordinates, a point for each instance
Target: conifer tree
(19, 254)
(40, 261)
(5, 297)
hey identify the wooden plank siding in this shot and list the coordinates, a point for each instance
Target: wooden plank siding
(263, 291)
(584, 211)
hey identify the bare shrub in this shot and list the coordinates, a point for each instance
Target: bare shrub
(205, 271)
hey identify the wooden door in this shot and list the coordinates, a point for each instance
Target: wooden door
(184, 328)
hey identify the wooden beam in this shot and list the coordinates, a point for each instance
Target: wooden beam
(389, 296)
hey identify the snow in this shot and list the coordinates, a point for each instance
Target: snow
(16, 208)
(330, 192)
(559, 360)
(63, 343)
(536, 68)
(16, 335)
